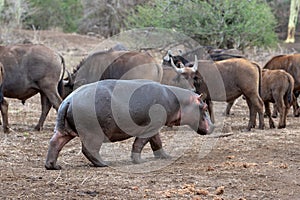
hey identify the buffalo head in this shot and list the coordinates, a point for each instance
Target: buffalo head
(68, 85)
(188, 73)
(179, 60)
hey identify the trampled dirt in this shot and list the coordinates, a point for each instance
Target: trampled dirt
(261, 164)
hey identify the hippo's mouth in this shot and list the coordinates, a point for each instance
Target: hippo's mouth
(206, 127)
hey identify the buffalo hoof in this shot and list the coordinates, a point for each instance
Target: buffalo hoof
(274, 115)
(38, 128)
(6, 130)
(161, 154)
(51, 167)
(297, 115)
(136, 158)
(281, 126)
(272, 126)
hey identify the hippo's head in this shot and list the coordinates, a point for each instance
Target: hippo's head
(195, 114)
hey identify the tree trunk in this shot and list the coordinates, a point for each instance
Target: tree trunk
(294, 9)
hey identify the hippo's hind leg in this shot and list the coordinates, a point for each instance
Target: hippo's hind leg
(57, 142)
(156, 146)
(92, 153)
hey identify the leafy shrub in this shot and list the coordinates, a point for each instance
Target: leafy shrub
(55, 13)
(221, 23)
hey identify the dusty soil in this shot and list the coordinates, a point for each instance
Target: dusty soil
(261, 164)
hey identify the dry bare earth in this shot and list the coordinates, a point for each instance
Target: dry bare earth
(261, 164)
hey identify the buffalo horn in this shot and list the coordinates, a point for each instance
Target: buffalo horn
(195, 66)
(178, 70)
(70, 81)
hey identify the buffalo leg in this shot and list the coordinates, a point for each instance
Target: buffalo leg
(296, 108)
(211, 110)
(228, 108)
(255, 106)
(137, 147)
(93, 155)
(4, 112)
(156, 146)
(275, 111)
(282, 113)
(252, 117)
(57, 142)
(268, 113)
(46, 106)
(52, 94)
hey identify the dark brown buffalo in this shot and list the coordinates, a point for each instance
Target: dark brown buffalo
(112, 64)
(277, 87)
(170, 77)
(116, 64)
(115, 110)
(290, 64)
(2, 75)
(225, 81)
(31, 69)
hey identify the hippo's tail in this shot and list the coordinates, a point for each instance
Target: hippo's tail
(61, 116)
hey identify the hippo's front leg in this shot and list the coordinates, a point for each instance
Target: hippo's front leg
(156, 146)
(57, 142)
(137, 147)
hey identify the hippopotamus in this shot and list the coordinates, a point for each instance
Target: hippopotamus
(115, 110)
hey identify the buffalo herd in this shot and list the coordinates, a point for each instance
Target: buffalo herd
(185, 89)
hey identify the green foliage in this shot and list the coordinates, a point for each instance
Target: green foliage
(222, 23)
(55, 13)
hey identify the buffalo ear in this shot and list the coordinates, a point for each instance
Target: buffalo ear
(202, 96)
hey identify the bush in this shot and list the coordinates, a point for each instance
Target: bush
(221, 23)
(55, 13)
(13, 12)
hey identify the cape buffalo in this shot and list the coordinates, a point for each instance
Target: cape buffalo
(1, 82)
(115, 110)
(31, 69)
(291, 64)
(277, 87)
(225, 81)
(114, 65)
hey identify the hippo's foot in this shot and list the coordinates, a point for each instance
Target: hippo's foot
(136, 158)
(161, 154)
(52, 167)
(100, 164)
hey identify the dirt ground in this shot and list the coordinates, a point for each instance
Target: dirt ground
(261, 164)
